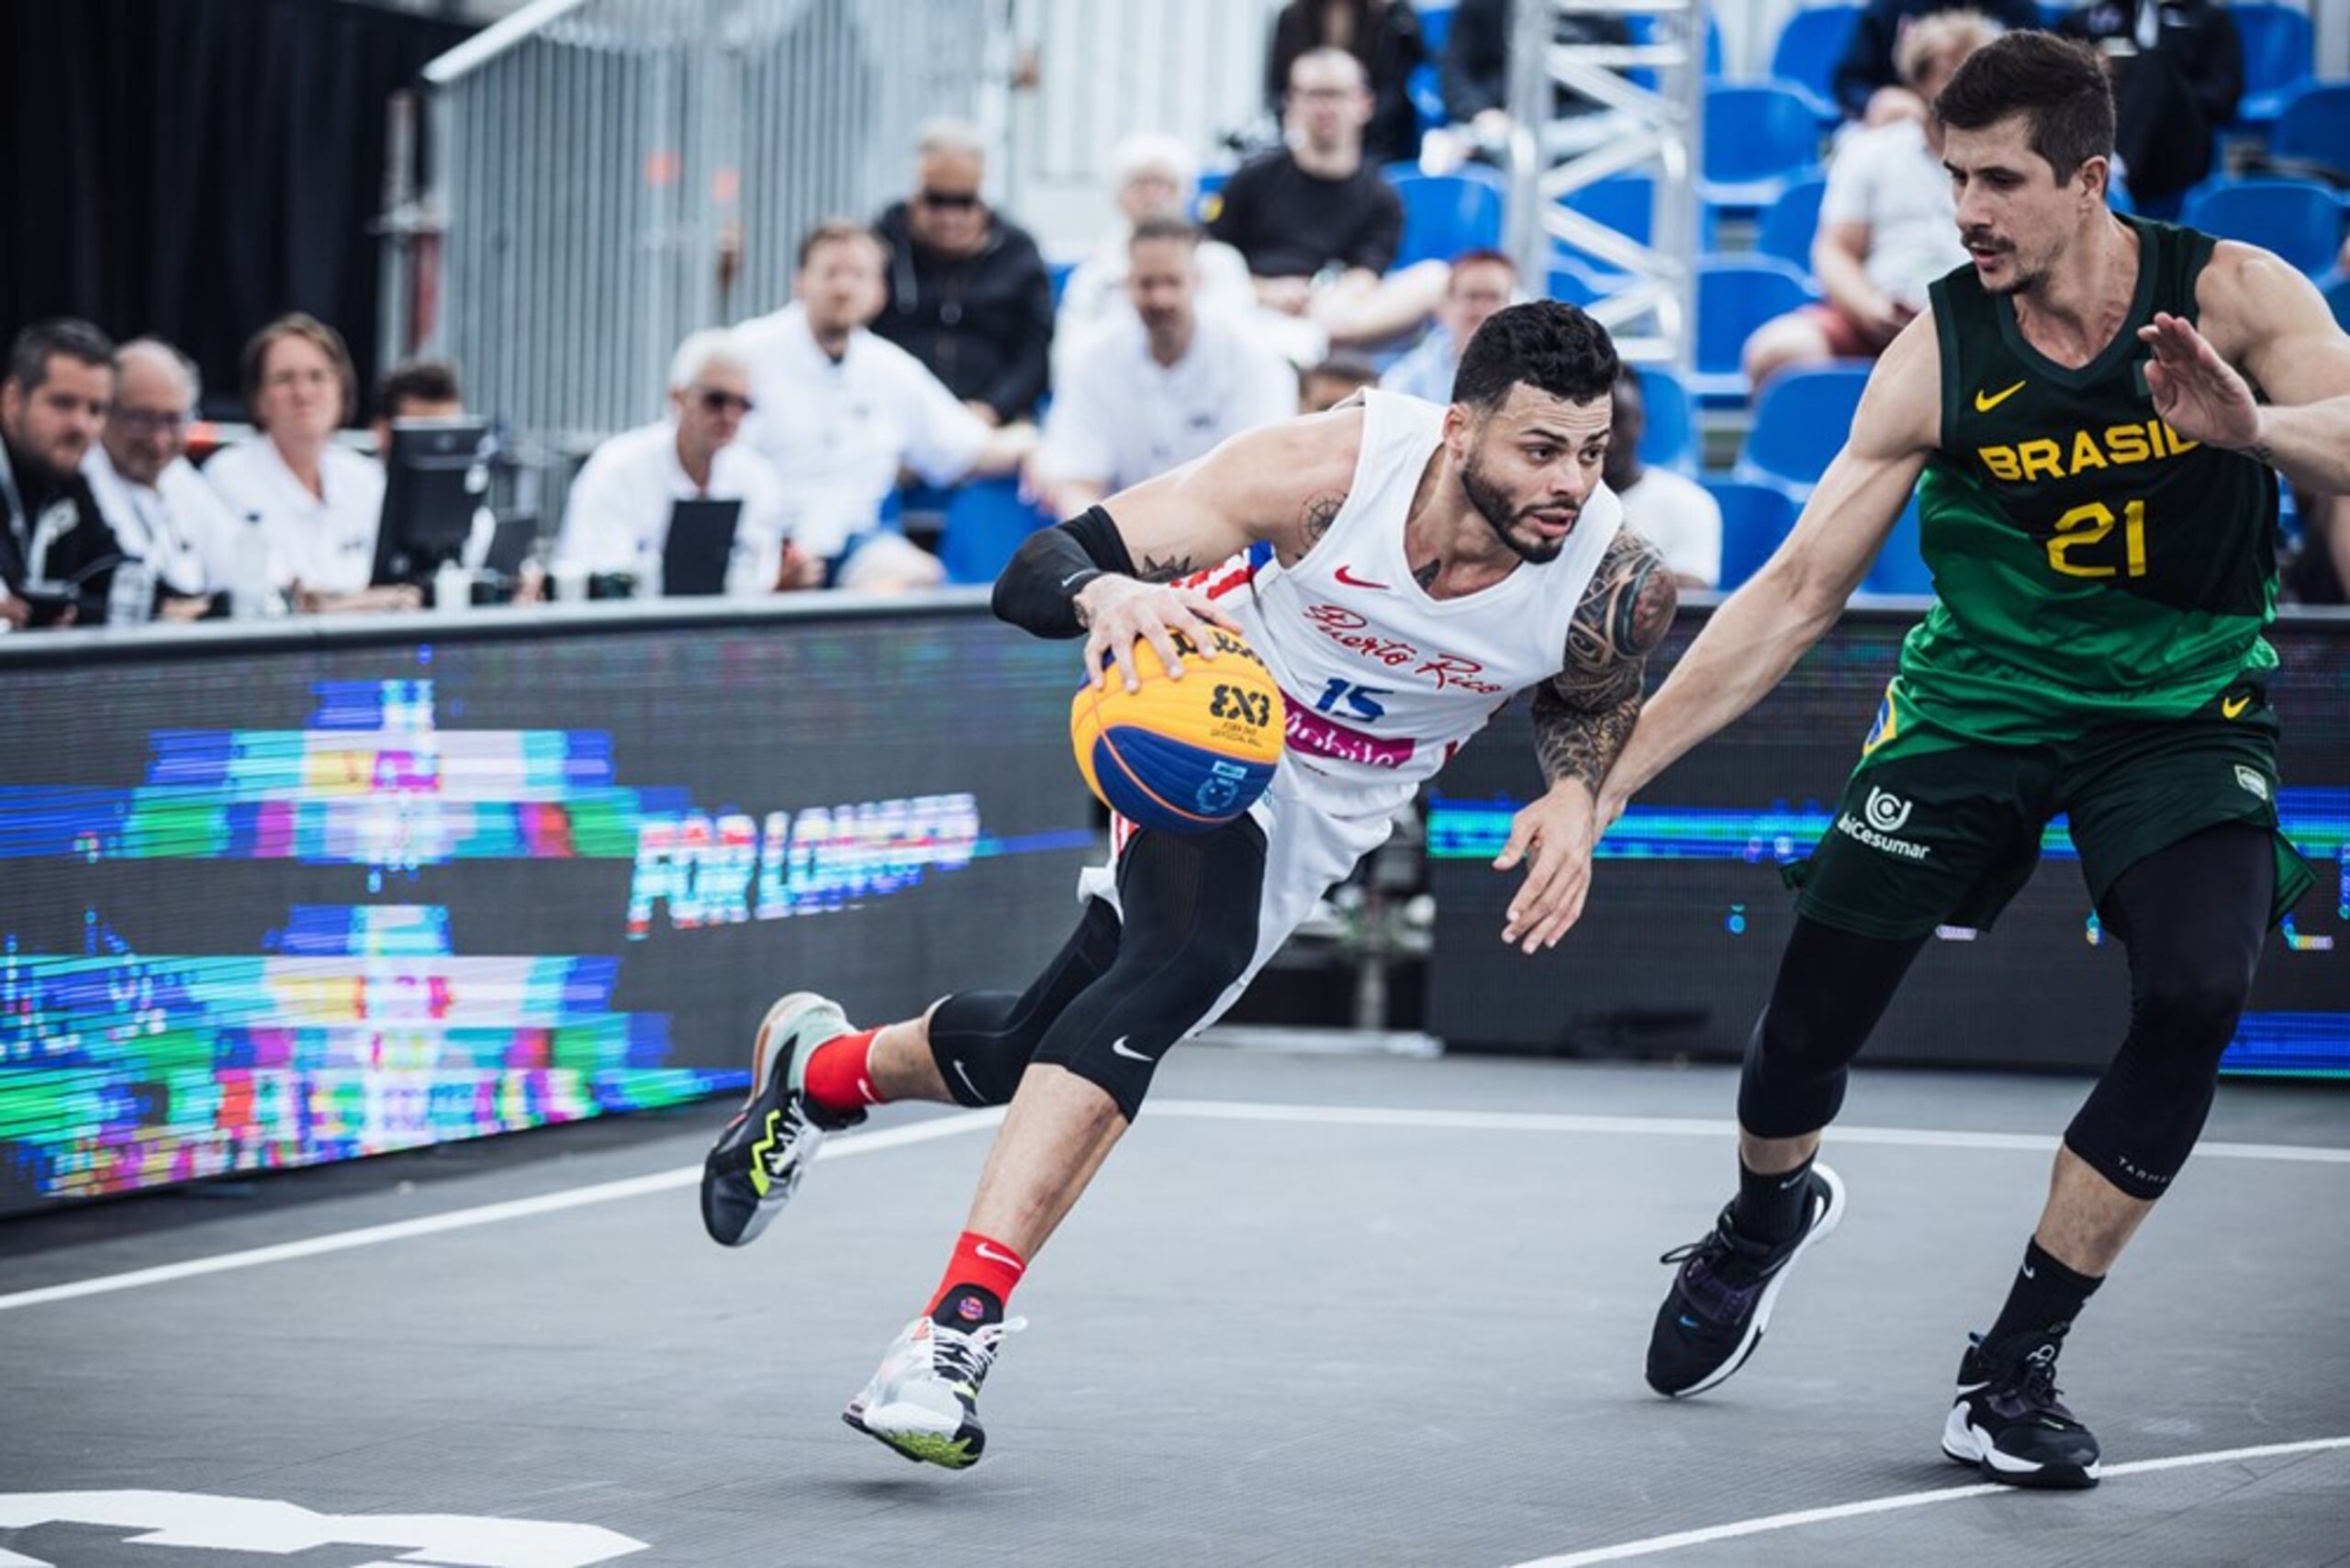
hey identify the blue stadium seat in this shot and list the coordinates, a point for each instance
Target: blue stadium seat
(1800, 422)
(1643, 31)
(1898, 567)
(2279, 55)
(1736, 295)
(2313, 122)
(1789, 222)
(1626, 202)
(1671, 439)
(1572, 283)
(986, 520)
(2298, 219)
(1807, 51)
(1058, 272)
(1424, 87)
(1755, 518)
(1436, 26)
(1447, 214)
(1760, 138)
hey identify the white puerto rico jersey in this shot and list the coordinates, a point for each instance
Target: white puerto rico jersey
(1383, 681)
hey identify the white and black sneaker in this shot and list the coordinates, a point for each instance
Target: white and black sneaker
(925, 1400)
(2008, 1420)
(1721, 1300)
(759, 1159)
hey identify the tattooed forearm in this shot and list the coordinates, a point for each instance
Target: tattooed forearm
(1576, 743)
(1585, 713)
(1154, 569)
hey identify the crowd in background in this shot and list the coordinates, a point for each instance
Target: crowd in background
(929, 343)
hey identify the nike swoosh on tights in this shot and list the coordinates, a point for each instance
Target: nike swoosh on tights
(1118, 1049)
(957, 1063)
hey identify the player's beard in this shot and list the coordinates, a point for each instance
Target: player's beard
(1495, 508)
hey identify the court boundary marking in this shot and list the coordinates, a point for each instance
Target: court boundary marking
(932, 1128)
(1769, 1524)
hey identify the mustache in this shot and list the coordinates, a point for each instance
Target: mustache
(1984, 239)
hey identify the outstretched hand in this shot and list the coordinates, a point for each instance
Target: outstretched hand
(1553, 837)
(2197, 393)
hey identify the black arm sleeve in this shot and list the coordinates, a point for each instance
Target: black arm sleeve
(1037, 591)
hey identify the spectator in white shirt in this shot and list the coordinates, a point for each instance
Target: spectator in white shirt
(318, 502)
(1482, 281)
(617, 517)
(1156, 177)
(1889, 224)
(841, 411)
(1162, 388)
(163, 513)
(1671, 511)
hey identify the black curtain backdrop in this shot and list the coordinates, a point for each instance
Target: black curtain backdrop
(190, 168)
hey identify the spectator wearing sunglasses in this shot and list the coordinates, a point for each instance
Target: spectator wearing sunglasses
(965, 291)
(617, 517)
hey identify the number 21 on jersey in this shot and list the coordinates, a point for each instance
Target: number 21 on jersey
(2082, 530)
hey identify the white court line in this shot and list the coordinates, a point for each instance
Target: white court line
(1656, 1545)
(485, 1214)
(1675, 1126)
(1212, 1110)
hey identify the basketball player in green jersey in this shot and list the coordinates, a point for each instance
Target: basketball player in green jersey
(2091, 413)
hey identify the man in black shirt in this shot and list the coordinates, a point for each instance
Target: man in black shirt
(967, 293)
(53, 405)
(1318, 224)
(2177, 69)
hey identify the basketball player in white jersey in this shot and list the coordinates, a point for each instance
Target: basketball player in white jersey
(1403, 568)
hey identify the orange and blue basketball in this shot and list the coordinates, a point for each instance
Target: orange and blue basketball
(1181, 755)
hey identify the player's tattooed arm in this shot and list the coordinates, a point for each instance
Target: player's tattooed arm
(1314, 520)
(1583, 715)
(1165, 569)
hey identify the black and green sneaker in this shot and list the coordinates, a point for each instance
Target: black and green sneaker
(759, 1159)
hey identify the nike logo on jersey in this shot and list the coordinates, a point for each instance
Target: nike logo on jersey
(1343, 576)
(1118, 1049)
(1987, 402)
(2235, 706)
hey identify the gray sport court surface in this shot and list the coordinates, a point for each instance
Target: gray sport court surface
(1337, 1311)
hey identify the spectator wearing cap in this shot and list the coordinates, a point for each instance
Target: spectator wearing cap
(1160, 389)
(1482, 282)
(841, 411)
(56, 550)
(965, 292)
(317, 502)
(616, 518)
(1155, 177)
(163, 515)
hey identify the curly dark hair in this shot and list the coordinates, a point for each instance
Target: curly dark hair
(2058, 82)
(1550, 346)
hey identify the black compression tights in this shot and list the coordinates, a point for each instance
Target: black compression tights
(1118, 994)
(2192, 916)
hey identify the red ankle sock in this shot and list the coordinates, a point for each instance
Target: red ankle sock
(837, 1078)
(983, 1265)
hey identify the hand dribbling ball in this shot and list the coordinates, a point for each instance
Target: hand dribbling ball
(1180, 756)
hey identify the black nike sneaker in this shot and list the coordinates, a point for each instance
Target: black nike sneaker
(1721, 1300)
(759, 1159)
(2007, 1421)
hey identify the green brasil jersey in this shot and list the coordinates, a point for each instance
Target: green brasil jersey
(2091, 565)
